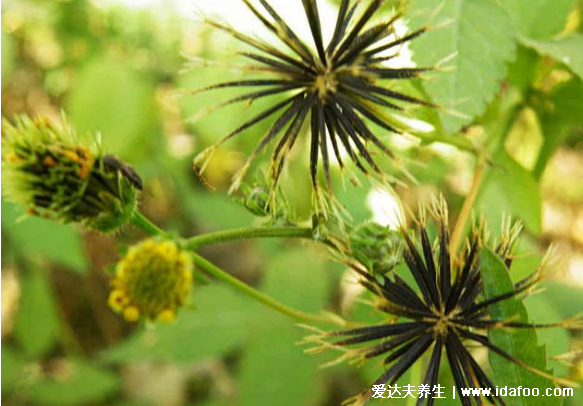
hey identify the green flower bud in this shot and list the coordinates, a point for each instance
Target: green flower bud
(256, 199)
(59, 176)
(376, 247)
(262, 201)
(151, 282)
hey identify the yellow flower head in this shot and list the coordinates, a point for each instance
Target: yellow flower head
(151, 282)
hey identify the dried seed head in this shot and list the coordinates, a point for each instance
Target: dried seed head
(57, 175)
(151, 282)
(443, 309)
(337, 89)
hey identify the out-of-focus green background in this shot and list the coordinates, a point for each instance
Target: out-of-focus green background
(120, 68)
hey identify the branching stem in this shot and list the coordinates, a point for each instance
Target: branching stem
(139, 220)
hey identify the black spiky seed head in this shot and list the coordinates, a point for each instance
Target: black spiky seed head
(337, 88)
(445, 308)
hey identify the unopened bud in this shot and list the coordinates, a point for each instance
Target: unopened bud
(376, 247)
(57, 175)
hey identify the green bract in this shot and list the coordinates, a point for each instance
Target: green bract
(377, 247)
(58, 175)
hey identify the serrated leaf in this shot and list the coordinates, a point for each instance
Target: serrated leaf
(479, 37)
(218, 323)
(111, 98)
(48, 239)
(520, 343)
(539, 18)
(566, 50)
(36, 303)
(80, 383)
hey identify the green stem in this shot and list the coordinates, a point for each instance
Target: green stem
(245, 233)
(217, 272)
(140, 221)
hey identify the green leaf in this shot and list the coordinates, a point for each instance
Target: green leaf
(219, 322)
(520, 343)
(566, 50)
(112, 98)
(48, 239)
(480, 40)
(79, 383)
(519, 191)
(539, 18)
(36, 328)
(13, 364)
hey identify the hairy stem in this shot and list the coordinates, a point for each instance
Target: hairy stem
(141, 221)
(246, 233)
(218, 273)
(468, 204)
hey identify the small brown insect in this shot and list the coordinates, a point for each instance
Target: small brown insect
(31, 211)
(113, 163)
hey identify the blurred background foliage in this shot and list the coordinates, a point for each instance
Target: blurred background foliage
(120, 68)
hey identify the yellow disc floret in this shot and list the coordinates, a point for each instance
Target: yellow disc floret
(152, 281)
